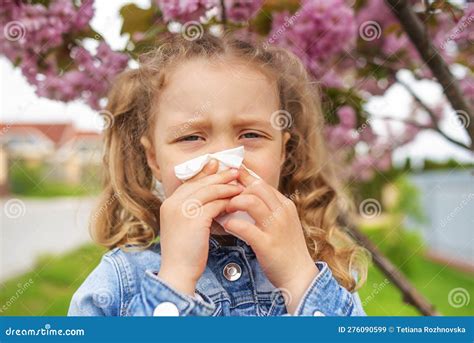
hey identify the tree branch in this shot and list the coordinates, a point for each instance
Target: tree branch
(410, 293)
(420, 39)
(224, 14)
(428, 110)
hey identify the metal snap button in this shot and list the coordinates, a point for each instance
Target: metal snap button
(318, 314)
(232, 271)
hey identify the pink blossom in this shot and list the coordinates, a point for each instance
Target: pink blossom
(463, 31)
(318, 32)
(347, 117)
(363, 167)
(367, 134)
(184, 10)
(92, 79)
(242, 10)
(33, 31)
(340, 137)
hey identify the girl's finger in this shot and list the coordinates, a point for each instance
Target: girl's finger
(245, 177)
(210, 167)
(190, 187)
(260, 188)
(283, 199)
(213, 192)
(251, 204)
(213, 208)
(247, 232)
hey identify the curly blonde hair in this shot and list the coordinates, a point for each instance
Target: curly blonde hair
(128, 212)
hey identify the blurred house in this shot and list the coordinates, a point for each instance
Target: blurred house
(447, 199)
(67, 154)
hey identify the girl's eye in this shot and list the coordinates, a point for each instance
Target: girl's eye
(189, 138)
(252, 133)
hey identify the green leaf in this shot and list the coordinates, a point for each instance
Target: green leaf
(263, 20)
(136, 19)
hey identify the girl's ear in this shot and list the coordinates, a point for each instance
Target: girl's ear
(151, 157)
(286, 138)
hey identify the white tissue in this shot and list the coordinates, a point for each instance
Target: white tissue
(231, 158)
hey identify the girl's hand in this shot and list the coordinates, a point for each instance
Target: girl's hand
(276, 237)
(185, 222)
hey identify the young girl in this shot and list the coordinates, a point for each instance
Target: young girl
(190, 98)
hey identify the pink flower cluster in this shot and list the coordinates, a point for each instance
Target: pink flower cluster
(318, 32)
(35, 36)
(343, 135)
(90, 81)
(183, 11)
(463, 31)
(242, 10)
(378, 26)
(39, 28)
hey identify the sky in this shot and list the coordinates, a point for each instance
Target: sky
(18, 102)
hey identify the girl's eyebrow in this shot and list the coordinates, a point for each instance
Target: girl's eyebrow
(241, 121)
(190, 123)
(251, 121)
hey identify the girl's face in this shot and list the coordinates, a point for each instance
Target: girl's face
(207, 106)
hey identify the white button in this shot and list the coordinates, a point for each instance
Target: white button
(232, 271)
(318, 314)
(166, 309)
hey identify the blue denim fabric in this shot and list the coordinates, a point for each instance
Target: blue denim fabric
(125, 283)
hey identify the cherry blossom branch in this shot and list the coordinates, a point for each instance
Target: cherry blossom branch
(422, 42)
(434, 120)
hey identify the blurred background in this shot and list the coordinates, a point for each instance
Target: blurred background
(401, 129)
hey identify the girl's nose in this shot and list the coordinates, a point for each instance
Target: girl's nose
(222, 147)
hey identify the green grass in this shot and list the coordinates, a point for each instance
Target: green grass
(47, 290)
(434, 281)
(55, 279)
(30, 181)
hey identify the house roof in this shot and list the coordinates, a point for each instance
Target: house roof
(58, 133)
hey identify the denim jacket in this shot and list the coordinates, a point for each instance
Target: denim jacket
(125, 283)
